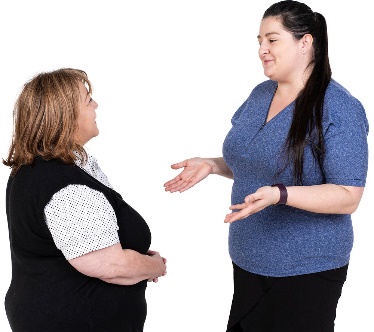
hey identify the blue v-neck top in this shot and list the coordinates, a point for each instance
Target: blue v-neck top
(281, 240)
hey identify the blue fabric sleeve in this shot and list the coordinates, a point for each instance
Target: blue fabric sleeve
(237, 114)
(346, 159)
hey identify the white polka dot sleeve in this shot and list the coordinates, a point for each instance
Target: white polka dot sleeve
(81, 220)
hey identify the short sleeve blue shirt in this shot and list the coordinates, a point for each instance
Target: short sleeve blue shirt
(281, 240)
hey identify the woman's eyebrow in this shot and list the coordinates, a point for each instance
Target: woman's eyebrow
(268, 34)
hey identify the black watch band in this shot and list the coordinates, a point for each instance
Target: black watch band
(283, 193)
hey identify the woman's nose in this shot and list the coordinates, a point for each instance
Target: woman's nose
(263, 50)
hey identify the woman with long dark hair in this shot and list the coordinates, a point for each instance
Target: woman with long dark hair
(297, 152)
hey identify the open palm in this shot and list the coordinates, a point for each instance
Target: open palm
(194, 170)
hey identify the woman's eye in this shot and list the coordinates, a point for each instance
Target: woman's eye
(90, 100)
(272, 40)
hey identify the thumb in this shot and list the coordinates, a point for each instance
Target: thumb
(250, 198)
(179, 165)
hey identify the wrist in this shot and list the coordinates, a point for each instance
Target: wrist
(283, 193)
(213, 163)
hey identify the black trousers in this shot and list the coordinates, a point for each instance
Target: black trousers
(304, 303)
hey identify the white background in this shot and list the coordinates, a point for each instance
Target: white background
(168, 76)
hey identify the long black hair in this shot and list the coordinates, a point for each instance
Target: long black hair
(306, 126)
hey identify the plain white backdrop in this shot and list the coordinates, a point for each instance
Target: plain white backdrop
(168, 75)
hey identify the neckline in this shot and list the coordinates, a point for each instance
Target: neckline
(267, 112)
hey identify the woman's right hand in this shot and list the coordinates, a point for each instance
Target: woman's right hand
(194, 170)
(161, 263)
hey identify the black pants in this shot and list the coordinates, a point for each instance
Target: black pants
(305, 303)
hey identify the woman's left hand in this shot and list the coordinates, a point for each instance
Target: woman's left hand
(152, 253)
(322, 198)
(253, 203)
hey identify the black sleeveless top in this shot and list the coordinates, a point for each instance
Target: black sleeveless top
(46, 293)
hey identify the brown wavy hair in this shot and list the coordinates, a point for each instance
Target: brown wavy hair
(45, 119)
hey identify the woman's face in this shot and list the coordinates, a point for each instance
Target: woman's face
(87, 127)
(282, 56)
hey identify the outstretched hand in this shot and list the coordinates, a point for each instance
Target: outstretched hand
(253, 203)
(194, 170)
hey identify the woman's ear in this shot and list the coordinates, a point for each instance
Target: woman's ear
(306, 43)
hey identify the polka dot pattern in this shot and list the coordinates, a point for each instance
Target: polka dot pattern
(81, 219)
(93, 168)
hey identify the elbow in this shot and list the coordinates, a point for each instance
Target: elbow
(352, 208)
(352, 203)
(349, 208)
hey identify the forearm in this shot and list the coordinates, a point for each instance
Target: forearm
(118, 266)
(120, 281)
(131, 268)
(220, 167)
(325, 198)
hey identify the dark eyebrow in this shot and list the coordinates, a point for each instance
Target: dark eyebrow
(268, 34)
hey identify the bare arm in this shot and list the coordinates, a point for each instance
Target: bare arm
(219, 167)
(118, 266)
(324, 198)
(196, 170)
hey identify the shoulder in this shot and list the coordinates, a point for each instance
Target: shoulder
(341, 106)
(78, 197)
(44, 170)
(262, 93)
(53, 171)
(258, 98)
(41, 164)
(339, 97)
(338, 94)
(36, 183)
(263, 90)
(265, 87)
(44, 177)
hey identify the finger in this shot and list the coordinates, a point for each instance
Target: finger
(230, 220)
(251, 198)
(185, 186)
(172, 181)
(179, 179)
(176, 186)
(238, 206)
(190, 181)
(231, 217)
(179, 165)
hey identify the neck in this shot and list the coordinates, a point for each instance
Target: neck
(288, 91)
(290, 88)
